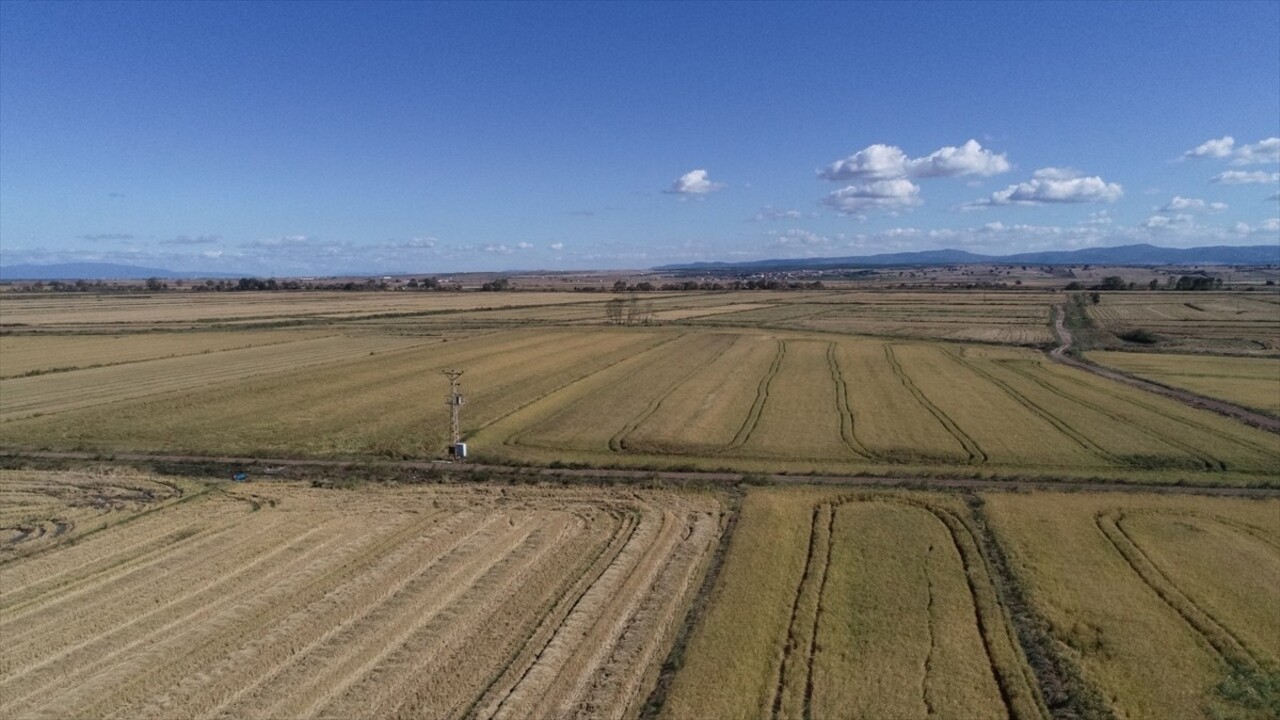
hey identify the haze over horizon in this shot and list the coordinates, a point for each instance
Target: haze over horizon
(293, 139)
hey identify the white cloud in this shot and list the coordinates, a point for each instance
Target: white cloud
(878, 195)
(694, 182)
(1050, 185)
(1180, 221)
(1101, 217)
(1183, 204)
(769, 212)
(1271, 225)
(1241, 177)
(496, 249)
(557, 246)
(1264, 151)
(889, 162)
(524, 245)
(797, 236)
(1219, 148)
(1056, 173)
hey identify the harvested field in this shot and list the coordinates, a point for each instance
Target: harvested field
(35, 354)
(869, 605)
(1250, 382)
(78, 311)
(1170, 606)
(280, 600)
(1243, 324)
(720, 397)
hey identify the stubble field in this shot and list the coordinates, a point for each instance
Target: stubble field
(280, 600)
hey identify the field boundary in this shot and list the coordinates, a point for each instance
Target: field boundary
(1061, 354)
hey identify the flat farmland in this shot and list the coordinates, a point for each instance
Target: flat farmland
(1170, 606)
(86, 311)
(709, 396)
(281, 600)
(893, 604)
(861, 605)
(1237, 323)
(1251, 382)
(1014, 318)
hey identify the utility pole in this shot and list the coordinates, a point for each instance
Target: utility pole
(454, 401)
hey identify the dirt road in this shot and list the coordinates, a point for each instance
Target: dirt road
(1222, 407)
(265, 468)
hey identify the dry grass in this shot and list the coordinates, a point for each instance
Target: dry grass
(285, 601)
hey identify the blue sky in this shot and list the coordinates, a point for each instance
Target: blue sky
(311, 138)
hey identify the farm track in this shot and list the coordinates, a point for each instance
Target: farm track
(201, 463)
(976, 454)
(1060, 354)
(1208, 461)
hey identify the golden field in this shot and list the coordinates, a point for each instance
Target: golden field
(678, 392)
(895, 604)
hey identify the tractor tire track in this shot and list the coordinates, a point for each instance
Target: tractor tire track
(1078, 438)
(976, 454)
(618, 443)
(793, 630)
(1210, 462)
(1224, 643)
(847, 425)
(762, 396)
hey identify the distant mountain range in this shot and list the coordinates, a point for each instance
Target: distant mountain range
(1121, 255)
(98, 271)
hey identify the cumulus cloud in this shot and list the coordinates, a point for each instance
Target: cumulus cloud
(1242, 177)
(1164, 222)
(1219, 148)
(496, 249)
(694, 182)
(1053, 185)
(889, 162)
(106, 237)
(524, 245)
(769, 212)
(557, 246)
(1056, 173)
(1183, 204)
(1264, 151)
(877, 195)
(192, 240)
(1101, 217)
